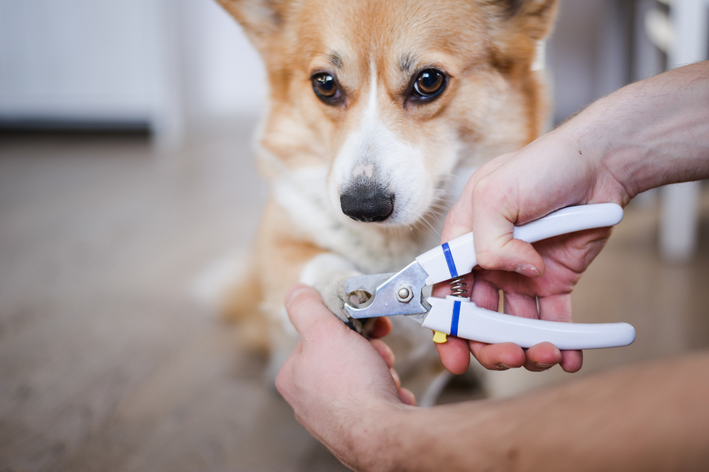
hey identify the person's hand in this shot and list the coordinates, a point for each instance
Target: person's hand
(551, 173)
(338, 383)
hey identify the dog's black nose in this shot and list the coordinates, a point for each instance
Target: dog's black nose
(367, 203)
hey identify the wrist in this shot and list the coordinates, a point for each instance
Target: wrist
(379, 438)
(605, 140)
(647, 134)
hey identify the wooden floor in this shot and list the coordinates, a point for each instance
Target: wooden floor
(107, 363)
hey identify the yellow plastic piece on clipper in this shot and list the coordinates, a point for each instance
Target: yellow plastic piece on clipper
(439, 337)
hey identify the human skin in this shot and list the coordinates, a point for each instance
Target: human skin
(646, 417)
(651, 133)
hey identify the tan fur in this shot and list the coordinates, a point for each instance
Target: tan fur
(241, 304)
(494, 103)
(262, 290)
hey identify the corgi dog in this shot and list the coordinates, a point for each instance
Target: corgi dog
(378, 113)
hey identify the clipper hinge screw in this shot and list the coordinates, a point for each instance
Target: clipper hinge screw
(404, 293)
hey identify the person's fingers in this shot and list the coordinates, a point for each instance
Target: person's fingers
(503, 252)
(485, 295)
(555, 307)
(459, 219)
(501, 356)
(407, 397)
(558, 308)
(382, 327)
(571, 361)
(495, 246)
(309, 315)
(454, 354)
(541, 357)
(521, 305)
(384, 351)
(395, 376)
(284, 379)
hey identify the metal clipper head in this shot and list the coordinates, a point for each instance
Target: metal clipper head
(388, 294)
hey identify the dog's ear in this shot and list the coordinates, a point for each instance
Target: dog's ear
(534, 18)
(518, 26)
(261, 19)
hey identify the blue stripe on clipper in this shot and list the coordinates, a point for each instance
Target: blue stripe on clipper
(455, 318)
(449, 260)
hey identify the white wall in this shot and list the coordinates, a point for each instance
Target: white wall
(588, 53)
(225, 74)
(165, 62)
(78, 59)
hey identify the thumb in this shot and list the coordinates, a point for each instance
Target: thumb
(493, 229)
(309, 315)
(495, 246)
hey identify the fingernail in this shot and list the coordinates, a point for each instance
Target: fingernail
(543, 366)
(502, 366)
(294, 292)
(528, 270)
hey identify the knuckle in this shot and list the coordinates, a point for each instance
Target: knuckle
(482, 185)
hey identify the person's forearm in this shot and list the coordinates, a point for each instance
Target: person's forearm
(650, 133)
(653, 417)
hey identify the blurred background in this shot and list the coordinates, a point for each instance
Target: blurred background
(126, 171)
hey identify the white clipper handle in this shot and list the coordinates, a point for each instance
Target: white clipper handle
(459, 317)
(457, 257)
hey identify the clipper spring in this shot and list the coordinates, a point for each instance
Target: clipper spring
(458, 287)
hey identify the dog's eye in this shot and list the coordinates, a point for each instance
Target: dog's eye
(325, 87)
(429, 84)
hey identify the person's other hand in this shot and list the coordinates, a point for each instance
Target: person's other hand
(338, 383)
(552, 173)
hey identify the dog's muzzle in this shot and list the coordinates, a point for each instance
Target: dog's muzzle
(367, 202)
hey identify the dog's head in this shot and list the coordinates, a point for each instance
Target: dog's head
(392, 96)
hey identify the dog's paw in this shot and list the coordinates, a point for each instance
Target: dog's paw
(334, 296)
(328, 272)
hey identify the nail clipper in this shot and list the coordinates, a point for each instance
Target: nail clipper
(403, 293)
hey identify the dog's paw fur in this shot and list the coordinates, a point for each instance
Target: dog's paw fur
(334, 296)
(327, 273)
